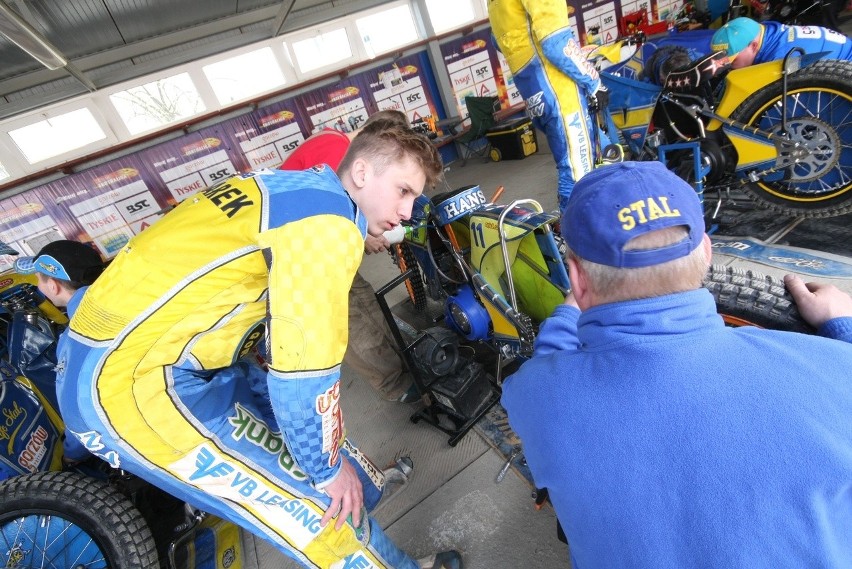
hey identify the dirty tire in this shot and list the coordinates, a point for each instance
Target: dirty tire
(749, 298)
(819, 115)
(66, 520)
(414, 284)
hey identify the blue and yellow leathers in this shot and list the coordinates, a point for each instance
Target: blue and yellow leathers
(155, 374)
(554, 78)
(777, 39)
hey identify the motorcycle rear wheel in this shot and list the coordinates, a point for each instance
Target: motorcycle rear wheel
(819, 115)
(750, 298)
(414, 284)
(65, 520)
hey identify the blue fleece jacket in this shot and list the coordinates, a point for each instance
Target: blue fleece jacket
(667, 440)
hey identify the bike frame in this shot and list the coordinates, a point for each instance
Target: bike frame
(508, 273)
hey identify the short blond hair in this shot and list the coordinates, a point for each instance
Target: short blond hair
(383, 143)
(614, 284)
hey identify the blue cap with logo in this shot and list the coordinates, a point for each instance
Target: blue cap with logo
(735, 36)
(617, 202)
(64, 260)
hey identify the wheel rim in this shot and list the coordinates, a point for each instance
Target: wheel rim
(48, 541)
(821, 120)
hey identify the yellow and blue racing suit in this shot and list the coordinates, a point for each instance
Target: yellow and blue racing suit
(555, 79)
(155, 377)
(777, 39)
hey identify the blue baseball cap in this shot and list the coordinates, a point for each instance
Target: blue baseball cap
(615, 203)
(735, 36)
(64, 260)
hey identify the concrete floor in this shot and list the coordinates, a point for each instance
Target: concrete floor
(452, 500)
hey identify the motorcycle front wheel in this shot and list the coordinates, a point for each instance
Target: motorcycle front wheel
(64, 520)
(750, 298)
(819, 117)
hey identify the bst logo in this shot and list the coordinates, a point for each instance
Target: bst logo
(219, 174)
(138, 206)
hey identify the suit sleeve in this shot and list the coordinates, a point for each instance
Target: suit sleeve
(312, 264)
(549, 23)
(838, 329)
(558, 332)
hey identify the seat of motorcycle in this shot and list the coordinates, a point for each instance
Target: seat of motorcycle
(697, 75)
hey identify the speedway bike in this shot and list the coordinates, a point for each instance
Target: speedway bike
(497, 271)
(780, 132)
(89, 514)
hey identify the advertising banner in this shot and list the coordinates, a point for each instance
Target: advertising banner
(473, 67)
(108, 204)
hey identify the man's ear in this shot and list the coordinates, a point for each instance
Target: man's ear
(579, 283)
(53, 287)
(708, 249)
(359, 170)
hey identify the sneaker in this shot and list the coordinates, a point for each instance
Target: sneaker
(444, 560)
(396, 477)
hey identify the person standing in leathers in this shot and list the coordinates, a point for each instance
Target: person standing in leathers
(555, 79)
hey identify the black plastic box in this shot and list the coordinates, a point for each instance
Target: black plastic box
(512, 140)
(464, 392)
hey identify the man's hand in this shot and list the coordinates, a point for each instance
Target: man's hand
(818, 303)
(570, 300)
(347, 496)
(375, 244)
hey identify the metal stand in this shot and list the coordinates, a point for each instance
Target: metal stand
(434, 412)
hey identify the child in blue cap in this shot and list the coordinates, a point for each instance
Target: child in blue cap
(64, 270)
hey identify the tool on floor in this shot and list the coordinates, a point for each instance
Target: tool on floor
(502, 474)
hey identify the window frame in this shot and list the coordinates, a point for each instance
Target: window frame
(386, 8)
(192, 71)
(85, 103)
(277, 56)
(356, 52)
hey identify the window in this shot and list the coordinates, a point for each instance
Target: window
(158, 103)
(57, 135)
(322, 49)
(245, 75)
(448, 14)
(385, 30)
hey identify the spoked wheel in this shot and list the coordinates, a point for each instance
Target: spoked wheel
(414, 284)
(748, 298)
(819, 118)
(64, 520)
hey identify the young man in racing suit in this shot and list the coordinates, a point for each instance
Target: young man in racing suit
(371, 351)
(555, 79)
(666, 439)
(747, 42)
(154, 381)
